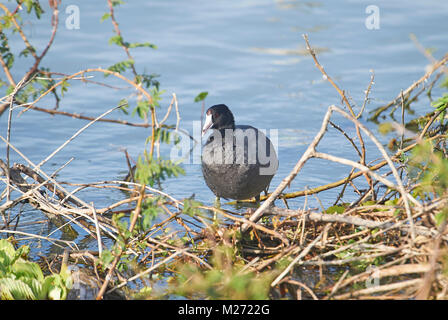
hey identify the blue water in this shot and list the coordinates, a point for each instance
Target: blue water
(249, 55)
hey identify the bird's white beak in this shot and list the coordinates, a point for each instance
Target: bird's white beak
(208, 123)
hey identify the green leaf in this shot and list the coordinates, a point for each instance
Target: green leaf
(191, 207)
(55, 287)
(64, 87)
(441, 106)
(8, 250)
(441, 216)
(55, 293)
(392, 202)
(121, 66)
(142, 109)
(156, 96)
(144, 293)
(335, 209)
(201, 96)
(37, 288)
(142, 44)
(10, 90)
(385, 128)
(15, 289)
(105, 16)
(106, 257)
(117, 2)
(118, 40)
(369, 203)
(151, 171)
(444, 83)
(24, 279)
(124, 105)
(150, 211)
(30, 5)
(148, 80)
(6, 24)
(28, 269)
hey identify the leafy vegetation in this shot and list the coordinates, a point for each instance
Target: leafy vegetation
(155, 240)
(227, 279)
(21, 279)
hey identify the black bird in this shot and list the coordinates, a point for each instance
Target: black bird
(238, 162)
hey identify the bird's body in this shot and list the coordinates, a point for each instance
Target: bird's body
(238, 162)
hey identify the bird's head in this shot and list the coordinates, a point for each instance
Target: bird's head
(218, 117)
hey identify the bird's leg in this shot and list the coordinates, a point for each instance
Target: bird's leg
(266, 191)
(217, 202)
(216, 205)
(257, 200)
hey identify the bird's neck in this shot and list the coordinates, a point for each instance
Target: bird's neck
(225, 128)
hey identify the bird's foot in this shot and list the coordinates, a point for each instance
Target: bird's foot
(257, 200)
(217, 205)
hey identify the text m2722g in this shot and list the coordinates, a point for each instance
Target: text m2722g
(245, 309)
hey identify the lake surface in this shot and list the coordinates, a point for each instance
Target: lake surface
(249, 55)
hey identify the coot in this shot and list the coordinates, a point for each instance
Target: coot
(238, 161)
